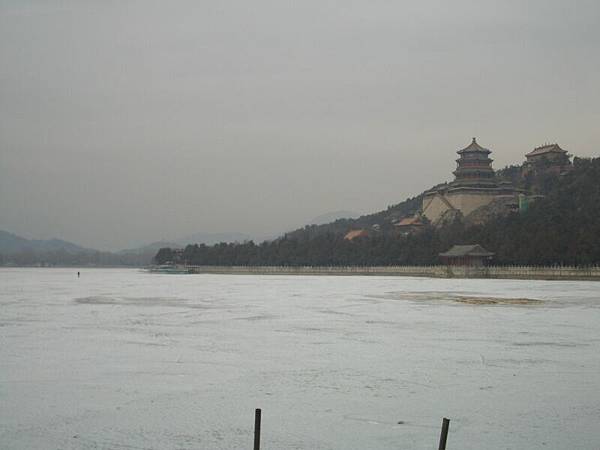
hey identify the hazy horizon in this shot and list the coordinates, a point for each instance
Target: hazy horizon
(124, 123)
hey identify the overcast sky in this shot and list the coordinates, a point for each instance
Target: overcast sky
(126, 122)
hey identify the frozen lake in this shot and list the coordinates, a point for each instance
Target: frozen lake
(123, 359)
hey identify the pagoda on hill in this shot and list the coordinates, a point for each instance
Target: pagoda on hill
(474, 186)
(548, 151)
(474, 167)
(547, 158)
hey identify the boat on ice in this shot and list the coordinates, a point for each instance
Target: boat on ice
(169, 268)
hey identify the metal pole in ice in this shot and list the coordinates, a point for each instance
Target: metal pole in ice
(257, 429)
(444, 435)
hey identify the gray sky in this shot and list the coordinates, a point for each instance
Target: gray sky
(124, 122)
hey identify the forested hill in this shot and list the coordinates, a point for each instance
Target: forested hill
(561, 228)
(383, 219)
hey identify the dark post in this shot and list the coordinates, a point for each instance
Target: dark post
(444, 435)
(257, 429)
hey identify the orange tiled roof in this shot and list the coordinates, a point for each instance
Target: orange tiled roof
(409, 221)
(355, 234)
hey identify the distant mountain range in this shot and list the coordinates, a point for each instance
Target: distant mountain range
(18, 250)
(11, 243)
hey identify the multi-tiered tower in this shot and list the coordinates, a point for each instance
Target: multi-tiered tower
(475, 185)
(474, 167)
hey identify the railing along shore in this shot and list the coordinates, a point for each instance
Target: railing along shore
(437, 271)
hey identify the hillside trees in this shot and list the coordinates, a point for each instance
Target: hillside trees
(561, 228)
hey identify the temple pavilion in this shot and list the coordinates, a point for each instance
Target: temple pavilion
(474, 167)
(547, 158)
(475, 185)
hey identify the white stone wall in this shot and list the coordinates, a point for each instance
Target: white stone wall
(514, 272)
(469, 202)
(434, 206)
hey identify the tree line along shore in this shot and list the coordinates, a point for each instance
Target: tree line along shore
(562, 227)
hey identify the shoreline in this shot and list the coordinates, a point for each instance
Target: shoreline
(491, 272)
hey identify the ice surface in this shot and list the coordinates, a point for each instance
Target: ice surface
(123, 359)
